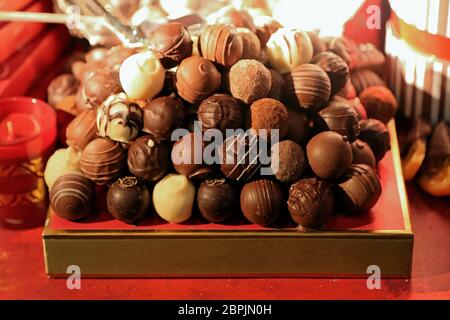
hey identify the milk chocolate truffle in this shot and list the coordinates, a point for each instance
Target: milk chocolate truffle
(128, 200)
(309, 87)
(61, 162)
(300, 127)
(61, 88)
(317, 43)
(311, 202)
(278, 85)
(238, 19)
(196, 79)
(362, 154)
(187, 154)
(336, 69)
(338, 46)
(288, 49)
(363, 79)
(217, 200)
(251, 47)
(173, 198)
(340, 118)
(220, 111)
(99, 85)
(72, 197)
(82, 129)
(172, 43)
(221, 44)
(250, 80)
(376, 135)
(380, 103)
(265, 27)
(262, 202)
(162, 116)
(288, 161)
(329, 155)
(103, 161)
(142, 75)
(360, 189)
(149, 159)
(116, 56)
(269, 114)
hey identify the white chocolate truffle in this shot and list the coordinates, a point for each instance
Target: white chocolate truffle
(289, 48)
(173, 198)
(142, 75)
(61, 162)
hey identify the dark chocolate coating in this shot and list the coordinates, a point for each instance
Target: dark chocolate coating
(336, 69)
(311, 202)
(360, 189)
(187, 155)
(128, 200)
(72, 197)
(172, 43)
(278, 85)
(379, 103)
(217, 200)
(220, 111)
(317, 43)
(149, 159)
(163, 115)
(438, 157)
(262, 202)
(340, 118)
(288, 157)
(99, 85)
(362, 154)
(61, 87)
(82, 129)
(329, 155)
(338, 47)
(418, 129)
(363, 79)
(300, 127)
(269, 114)
(376, 135)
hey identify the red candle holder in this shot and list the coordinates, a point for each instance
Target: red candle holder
(27, 138)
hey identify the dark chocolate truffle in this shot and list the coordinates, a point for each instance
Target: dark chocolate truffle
(128, 200)
(376, 135)
(249, 80)
(288, 161)
(380, 103)
(99, 85)
(72, 197)
(196, 79)
(149, 159)
(360, 189)
(172, 44)
(340, 118)
(362, 154)
(278, 86)
(262, 202)
(163, 115)
(187, 154)
(103, 160)
(60, 88)
(309, 87)
(311, 202)
(329, 155)
(220, 111)
(300, 127)
(336, 69)
(217, 200)
(82, 129)
(363, 79)
(269, 114)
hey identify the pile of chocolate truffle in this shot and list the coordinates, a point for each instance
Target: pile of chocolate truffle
(322, 95)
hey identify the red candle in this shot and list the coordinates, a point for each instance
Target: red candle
(27, 137)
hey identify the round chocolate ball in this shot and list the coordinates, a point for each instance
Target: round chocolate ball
(82, 129)
(288, 161)
(99, 85)
(300, 127)
(363, 79)
(196, 79)
(72, 197)
(336, 69)
(149, 159)
(379, 103)
(217, 200)
(329, 155)
(278, 86)
(311, 202)
(250, 80)
(317, 43)
(376, 135)
(187, 154)
(220, 111)
(269, 114)
(362, 154)
(251, 47)
(128, 200)
(62, 87)
(238, 19)
(262, 202)
(340, 118)
(339, 47)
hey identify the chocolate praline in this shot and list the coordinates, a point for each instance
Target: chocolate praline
(336, 69)
(187, 155)
(363, 79)
(376, 135)
(217, 200)
(340, 118)
(380, 103)
(338, 46)
(287, 161)
(311, 202)
(278, 86)
(238, 19)
(128, 200)
(269, 114)
(220, 111)
(62, 87)
(82, 129)
(362, 154)
(251, 47)
(265, 27)
(317, 43)
(99, 85)
(300, 127)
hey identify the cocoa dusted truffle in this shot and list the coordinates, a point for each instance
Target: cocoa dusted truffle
(360, 189)
(196, 79)
(262, 202)
(363, 79)
(379, 103)
(329, 155)
(288, 161)
(221, 44)
(251, 47)
(172, 43)
(336, 69)
(128, 200)
(362, 154)
(309, 87)
(269, 114)
(163, 115)
(82, 129)
(72, 197)
(61, 88)
(340, 118)
(376, 135)
(249, 80)
(217, 200)
(103, 161)
(311, 202)
(149, 159)
(220, 111)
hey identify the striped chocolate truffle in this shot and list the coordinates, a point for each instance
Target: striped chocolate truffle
(363, 79)
(336, 69)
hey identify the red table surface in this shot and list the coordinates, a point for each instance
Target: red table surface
(22, 274)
